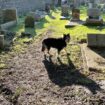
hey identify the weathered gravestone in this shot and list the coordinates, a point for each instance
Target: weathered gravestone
(96, 40)
(1, 41)
(29, 22)
(75, 15)
(9, 15)
(47, 7)
(76, 3)
(65, 10)
(8, 18)
(94, 16)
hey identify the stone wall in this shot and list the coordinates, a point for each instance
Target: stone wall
(24, 6)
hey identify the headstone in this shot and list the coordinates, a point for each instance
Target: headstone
(47, 7)
(65, 10)
(29, 21)
(1, 41)
(96, 40)
(9, 15)
(76, 3)
(94, 12)
(75, 14)
(94, 17)
(90, 5)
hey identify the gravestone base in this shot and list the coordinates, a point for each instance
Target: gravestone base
(64, 18)
(74, 23)
(94, 22)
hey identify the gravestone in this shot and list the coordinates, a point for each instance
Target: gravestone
(94, 16)
(47, 7)
(75, 15)
(1, 41)
(96, 40)
(76, 3)
(9, 15)
(65, 10)
(29, 22)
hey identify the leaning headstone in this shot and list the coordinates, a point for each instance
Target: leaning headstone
(1, 41)
(65, 10)
(75, 15)
(96, 40)
(29, 21)
(9, 15)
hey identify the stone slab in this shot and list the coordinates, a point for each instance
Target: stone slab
(95, 58)
(64, 18)
(73, 23)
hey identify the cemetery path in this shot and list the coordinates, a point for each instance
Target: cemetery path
(33, 80)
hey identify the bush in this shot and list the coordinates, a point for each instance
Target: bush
(29, 21)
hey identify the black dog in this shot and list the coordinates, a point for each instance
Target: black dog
(58, 43)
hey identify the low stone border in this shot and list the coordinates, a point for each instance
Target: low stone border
(8, 24)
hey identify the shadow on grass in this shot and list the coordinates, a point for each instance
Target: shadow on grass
(67, 75)
(41, 23)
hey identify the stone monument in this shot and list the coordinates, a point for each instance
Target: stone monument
(75, 15)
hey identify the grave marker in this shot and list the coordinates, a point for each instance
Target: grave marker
(96, 40)
(94, 16)
(75, 15)
(9, 15)
(65, 10)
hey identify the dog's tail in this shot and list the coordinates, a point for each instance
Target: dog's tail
(43, 46)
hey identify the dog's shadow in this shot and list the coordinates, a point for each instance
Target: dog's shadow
(67, 75)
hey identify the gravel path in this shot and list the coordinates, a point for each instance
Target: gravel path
(34, 80)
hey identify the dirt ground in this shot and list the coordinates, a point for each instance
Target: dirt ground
(32, 79)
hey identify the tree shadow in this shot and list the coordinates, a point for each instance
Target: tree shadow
(67, 75)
